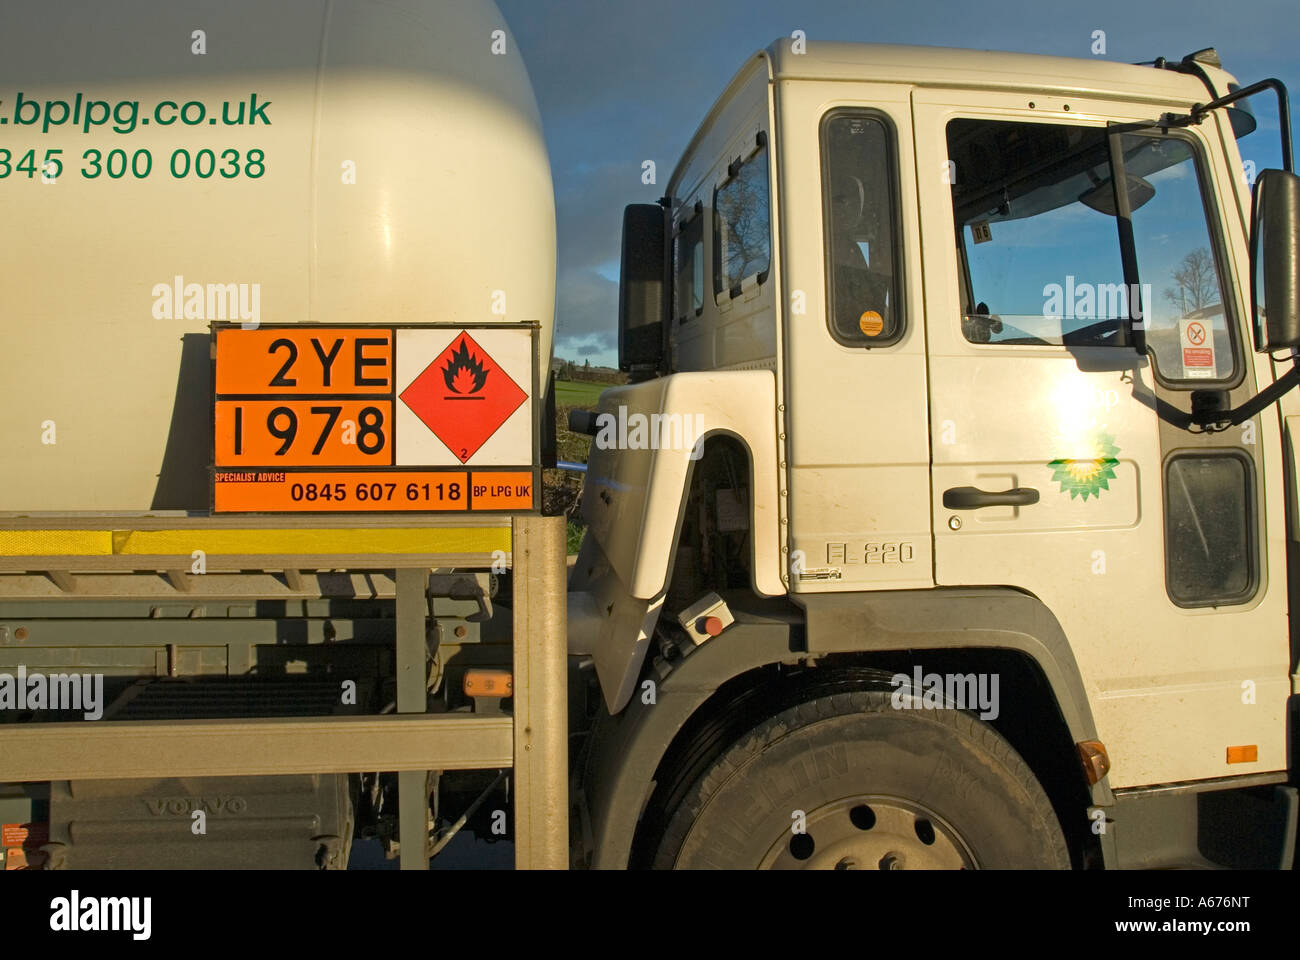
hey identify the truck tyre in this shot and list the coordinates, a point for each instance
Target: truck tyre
(846, 781)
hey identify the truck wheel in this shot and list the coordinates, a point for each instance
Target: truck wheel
(873, 788)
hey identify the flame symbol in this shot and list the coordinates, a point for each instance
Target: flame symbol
(463, 373)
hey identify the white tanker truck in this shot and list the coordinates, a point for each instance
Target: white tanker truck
(963, 553)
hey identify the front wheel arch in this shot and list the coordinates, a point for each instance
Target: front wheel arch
(847, 781)
(748, 699)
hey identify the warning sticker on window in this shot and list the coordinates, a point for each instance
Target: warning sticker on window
(1196, 339)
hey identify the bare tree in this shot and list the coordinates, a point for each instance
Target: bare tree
(743, 207)
(1198, 284)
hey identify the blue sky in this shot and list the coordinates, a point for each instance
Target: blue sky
(620, 82)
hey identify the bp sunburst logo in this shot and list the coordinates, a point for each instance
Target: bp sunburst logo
(1089, 474)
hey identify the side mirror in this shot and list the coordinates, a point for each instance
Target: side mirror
(1275, 260)
(643, 289)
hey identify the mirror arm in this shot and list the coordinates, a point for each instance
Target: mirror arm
(1266, 397)
(1201, 110)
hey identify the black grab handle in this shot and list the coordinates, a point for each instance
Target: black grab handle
(972, 498)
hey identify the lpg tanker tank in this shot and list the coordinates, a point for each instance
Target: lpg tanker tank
(166, 164)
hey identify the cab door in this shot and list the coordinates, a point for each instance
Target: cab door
(854, 442)
(1057, 468)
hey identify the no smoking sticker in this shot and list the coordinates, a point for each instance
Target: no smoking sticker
(1196, 339)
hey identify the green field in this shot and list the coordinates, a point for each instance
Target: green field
(570, 393)
(561, 489)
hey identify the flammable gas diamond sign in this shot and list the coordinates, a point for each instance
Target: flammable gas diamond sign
(465, 398)
(327, 418)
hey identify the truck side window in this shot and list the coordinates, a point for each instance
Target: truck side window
(688, 266)
(860, 209)
(1209, 516)
(742, 238)
(1043, 262)
(1034, 210)
(1186, 327)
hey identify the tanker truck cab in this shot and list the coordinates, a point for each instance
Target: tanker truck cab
(990, 408)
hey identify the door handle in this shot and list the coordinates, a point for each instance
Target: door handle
(972, 498)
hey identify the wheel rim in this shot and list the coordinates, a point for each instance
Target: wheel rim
(871, 832)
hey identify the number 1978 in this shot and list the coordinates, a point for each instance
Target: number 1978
(302, 433)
